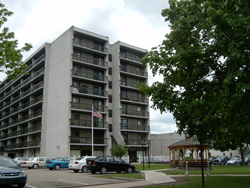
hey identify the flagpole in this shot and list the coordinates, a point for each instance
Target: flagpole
(92, 141)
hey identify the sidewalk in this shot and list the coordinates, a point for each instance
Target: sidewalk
(151, 178)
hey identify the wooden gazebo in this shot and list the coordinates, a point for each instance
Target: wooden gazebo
(178, 151)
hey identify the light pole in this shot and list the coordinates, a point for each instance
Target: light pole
(142, 143)
(198, 122)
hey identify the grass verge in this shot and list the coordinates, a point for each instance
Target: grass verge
(122, 175)
(139, 167)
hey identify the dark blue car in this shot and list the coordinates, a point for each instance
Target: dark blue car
(58, 163)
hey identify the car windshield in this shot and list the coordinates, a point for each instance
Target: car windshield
(221, 157)
(30, 159)
(7, 162)
(56, 158)
(233, 159)
(80, 158)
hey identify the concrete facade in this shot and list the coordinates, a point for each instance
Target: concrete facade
(49, 112)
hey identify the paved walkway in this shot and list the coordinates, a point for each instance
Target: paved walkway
(151, 178)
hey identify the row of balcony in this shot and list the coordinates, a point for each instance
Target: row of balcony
(134, 113)
(22, 119)
(26, 81)
(134, 98)
(133, 71)
(90, 75)
(37, 86)
(88, 123)
(84, 106)
(86, 90)
(136, 142)
(94, 61)
(126, 56)
(21, 107)
(87, 140)
(35, 143)
(35, 62)
(134, 127)
(89, 45)
(22, 132)
(130, 83)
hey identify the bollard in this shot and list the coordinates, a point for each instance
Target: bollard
(208, 170)
(187, 169)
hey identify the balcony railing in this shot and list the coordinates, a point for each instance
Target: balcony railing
(88, 123)
(25, 118)
(133, 71)
(134, 113)
(136, 58)
(94, 61)
(135, 127)
(89, 45)
(87, 140)
(22, 145)
(134, 98)
(84, 106)
(86, 90)
(129, 83)
(21, 132)
(36, 100)
(135, 142)
(90, 75)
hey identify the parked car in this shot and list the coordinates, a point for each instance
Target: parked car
(234, 161)
(221, 160)
(58, 163)
(247, 160)
(105, 164)
(11, 173)
(19, 159)
(34, 162)
(211, 160)
(79, 164)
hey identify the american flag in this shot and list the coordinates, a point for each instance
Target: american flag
(97, 114)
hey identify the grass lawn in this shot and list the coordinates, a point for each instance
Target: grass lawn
(209, 182)
(215, 170)
(139, 167)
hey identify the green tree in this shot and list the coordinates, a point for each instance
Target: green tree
(205, 65)
(10, 55)
(119, 150)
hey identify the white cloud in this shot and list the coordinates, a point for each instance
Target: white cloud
(138, 23)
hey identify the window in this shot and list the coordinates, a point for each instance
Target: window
(110, 85)
(139, 81)
(110, 113)
(76, 100)
(139, 109)
(75, 133)
(77, 54)
(124, 94)
(98, 105)
(110, 71)
(124, 109)
(76, 84)
(98, 60)
(76, 70)
(76, 116)
(77, 41)
(98, 90)
(110, 57)
(123, 53)
(139, 95)
(98, 75)
(110, 98)
(110, 127)
(124, 123)
(140, 137)
(123, 80)
(138, 69)
(140, 122)
(123, 67)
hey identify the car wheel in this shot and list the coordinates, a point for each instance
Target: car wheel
(84, 170)
(51, 168)
(21, 184)
(103, 170)
(57, 167)
(76, 171)
(129, 170)
(35, 166)
(93, 172)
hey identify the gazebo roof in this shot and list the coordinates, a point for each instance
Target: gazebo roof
(187, 142)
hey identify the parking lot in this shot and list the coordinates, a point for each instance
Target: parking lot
(64, 178)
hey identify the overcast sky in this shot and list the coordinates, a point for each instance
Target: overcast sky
(136, 22)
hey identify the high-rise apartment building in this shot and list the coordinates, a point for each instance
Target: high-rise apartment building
(48, 112)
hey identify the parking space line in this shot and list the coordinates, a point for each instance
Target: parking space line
(29, 186)
(74, 182)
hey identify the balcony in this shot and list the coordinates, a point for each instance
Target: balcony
(133, 98)
(22, 132)
(90, 76)
(134, 127)
(130, 84)
(130, 57)
(84, 106)
(134, 71)
(134, 113)
(90, 46)
(136, 142)
(87, 140)
(35, 143)
(93, 61)
(88, 123)
(85, 90)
